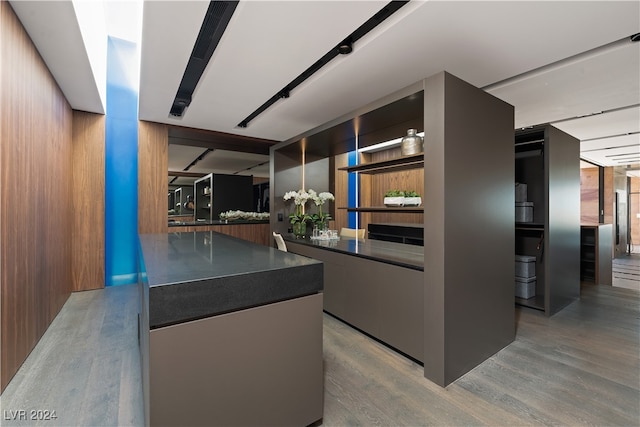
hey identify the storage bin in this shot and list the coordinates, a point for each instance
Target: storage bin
(524, 211)
(521, 192)
(525, 287)
(525, 266)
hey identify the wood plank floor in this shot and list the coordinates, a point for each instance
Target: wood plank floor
(580, 367)
(86, 367)
(626, 271)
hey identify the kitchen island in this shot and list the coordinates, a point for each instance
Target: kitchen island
(230, 332)
(374, 285)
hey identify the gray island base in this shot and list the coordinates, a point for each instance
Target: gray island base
(230, 332)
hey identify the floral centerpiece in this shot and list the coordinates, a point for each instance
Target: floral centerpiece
(320, 218)
(298, 218)
(234, 215)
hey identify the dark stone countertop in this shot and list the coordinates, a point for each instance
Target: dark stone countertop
(400, 254)
(399, 224)
(193, 275)
(216, 222)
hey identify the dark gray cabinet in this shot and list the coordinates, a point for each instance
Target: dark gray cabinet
(217, 193)
(383, 300)
(548, 161)
(468, 279)
(596, 253)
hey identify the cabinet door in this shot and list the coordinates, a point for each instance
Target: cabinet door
(334, 277)
(334, 284)
(402, 311)
(362, 294)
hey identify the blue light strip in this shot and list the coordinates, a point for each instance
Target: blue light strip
(121, 165)
(352, 160)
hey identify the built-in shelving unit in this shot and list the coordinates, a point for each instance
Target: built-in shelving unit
(181, 198)
(392, 165)
(530, 226)
(547, 160)
(596, 253)
(203, 189)
(467, 303)
(389, 166)
(412, 209)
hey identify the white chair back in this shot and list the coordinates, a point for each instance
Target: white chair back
(280, 241)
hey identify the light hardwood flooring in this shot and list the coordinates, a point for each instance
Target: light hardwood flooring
(86, 367)
(580, 367)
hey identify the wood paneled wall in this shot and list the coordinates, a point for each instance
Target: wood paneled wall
(88, 201)
(153, 183)
(609, 198)
(35, 195)
(372, 189)
(341, 189)
(589, 195)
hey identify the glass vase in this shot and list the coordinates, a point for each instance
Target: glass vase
(299, 229)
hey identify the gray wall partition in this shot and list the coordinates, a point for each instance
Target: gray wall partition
(469, 233)
(562, 238)
(548, 161)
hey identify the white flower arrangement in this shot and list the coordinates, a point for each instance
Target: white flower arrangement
(300, 198)
(321, 199)
(320, 218)
(241, 215)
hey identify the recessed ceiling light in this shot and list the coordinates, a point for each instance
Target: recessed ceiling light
(345, 47)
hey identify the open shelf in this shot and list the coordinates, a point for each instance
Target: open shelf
(410, 209)
(529, 226)
(393, 165)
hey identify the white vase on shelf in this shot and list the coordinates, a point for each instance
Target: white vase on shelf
(393, 201)
(412, 201)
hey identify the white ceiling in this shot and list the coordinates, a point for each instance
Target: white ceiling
(554, 61)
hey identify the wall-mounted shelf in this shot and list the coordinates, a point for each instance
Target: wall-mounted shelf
(525, 226)
(408, 209)
(413, 161)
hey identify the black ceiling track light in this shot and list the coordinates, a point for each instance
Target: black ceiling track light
(343, 48)
(193, 163)
(213, 26)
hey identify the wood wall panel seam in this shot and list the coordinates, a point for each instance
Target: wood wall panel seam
(35, 195)
(153, 184)
(88, 201)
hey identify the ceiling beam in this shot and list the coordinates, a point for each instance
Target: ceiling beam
(187, 174)
(219, 140)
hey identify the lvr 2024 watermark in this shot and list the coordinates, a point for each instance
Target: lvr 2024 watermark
(29, 415)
